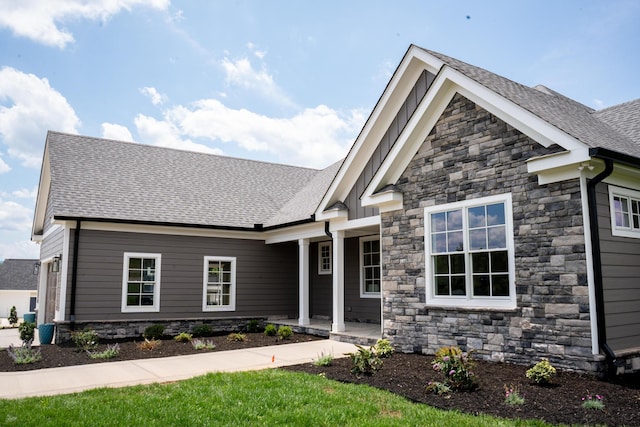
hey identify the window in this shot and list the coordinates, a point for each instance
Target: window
(219, 292)
(324, 258)
(141, 282)
(470, 259)
(370, 267)
(625, 212)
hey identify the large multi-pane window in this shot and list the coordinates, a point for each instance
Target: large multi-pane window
(141, 282)
(324, 258)
(370, 267)
(625, 212)
(470, 253)
(219, 284)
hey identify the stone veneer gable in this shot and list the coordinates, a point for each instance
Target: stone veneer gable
(470, 154)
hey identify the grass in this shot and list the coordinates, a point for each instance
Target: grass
(259, 398)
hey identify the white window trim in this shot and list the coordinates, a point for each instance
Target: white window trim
(320, 246)
(622, 231)
(364, 294)
(468, 301)
(205, 276)
(125, 279)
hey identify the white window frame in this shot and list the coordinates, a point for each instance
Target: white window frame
(232, 297)
(468, 300)
(125, 308)
(628, 194)
(321, 258)
(363, 293)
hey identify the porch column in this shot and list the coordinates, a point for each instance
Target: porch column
(303, 282)
(338, 282)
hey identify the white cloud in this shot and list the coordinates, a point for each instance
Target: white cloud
(4, 168)
(14, 216)
(165, 134)
(258, 53)
(117, 132)
(314, 137)
(155, 97)
(20, 249)
(25, 193)
(241, 73)
(34, 108)
(40, 20)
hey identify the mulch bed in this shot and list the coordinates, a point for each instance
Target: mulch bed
(408, 375)
(561, 402)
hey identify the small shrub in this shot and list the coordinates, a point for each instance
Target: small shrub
(202, 331)
(456, 367)
(154, 332)
(24, 355)
(109, 353)
(285, 332)
(253, 326)
(203, 344)
(542, 372)
(237, 337)
(593, 401)
(85, 340)
(148, 344)
(365, 361)
(13, 316)
(437, 387)
(270, 330)
(512, 396)
(383, 348)
(27, 331)
(183, 337)
(324, 360)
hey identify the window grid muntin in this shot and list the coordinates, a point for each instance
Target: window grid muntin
(370, 266)
(324, 258)
(141, 282)
(219, 283)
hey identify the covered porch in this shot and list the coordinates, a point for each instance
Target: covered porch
(355, 332)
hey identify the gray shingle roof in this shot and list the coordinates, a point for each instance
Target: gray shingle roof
(604, 129)
(17, 275)
(98, 178)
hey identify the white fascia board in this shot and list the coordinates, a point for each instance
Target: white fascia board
(386, 202)
(558, 160)
(355, 223)
(43, 195)
(414, 62)
(290, 234)
(332, 214)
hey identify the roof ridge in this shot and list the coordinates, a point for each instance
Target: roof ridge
(622, 104)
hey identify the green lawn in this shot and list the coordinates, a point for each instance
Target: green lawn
(263, 398)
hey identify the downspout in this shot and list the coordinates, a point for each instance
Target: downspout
(74, 276)
(597, 265)
(326, 230)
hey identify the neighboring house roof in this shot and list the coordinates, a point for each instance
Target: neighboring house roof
(105, 179)
(17, 275)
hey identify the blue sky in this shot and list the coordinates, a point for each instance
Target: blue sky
(280, 81)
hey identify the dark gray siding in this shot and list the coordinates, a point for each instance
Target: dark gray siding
(397, 125)
(357, 308)
(266, 275)
(320, 287)
(621, 280)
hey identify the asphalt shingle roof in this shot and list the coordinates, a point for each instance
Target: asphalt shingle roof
(17, 275)
(98, 178)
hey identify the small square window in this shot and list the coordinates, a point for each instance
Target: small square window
(324, 258)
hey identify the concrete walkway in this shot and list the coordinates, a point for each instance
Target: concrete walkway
(73, 379)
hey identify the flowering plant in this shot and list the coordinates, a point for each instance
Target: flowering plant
(593, 401)
(457, 369)
(512, 396)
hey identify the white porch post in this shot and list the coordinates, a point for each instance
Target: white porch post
(338, 282)
(303, 282)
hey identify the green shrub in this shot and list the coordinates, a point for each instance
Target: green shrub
(27, 332)
(285, 332)
(154, 332)
(13, 316)
(324, 360)
(542, 372)
(24, 355)
(437, 387)
(203, 344)
(237, 337)
(270, 330)
(365, 361)
(183, 337)
(202, 330)
(109, 353)
(456, 367)
(512, 396)
(253, 326)
(85, 340)
(383, 348)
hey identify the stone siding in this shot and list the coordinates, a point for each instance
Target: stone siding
(472, 154)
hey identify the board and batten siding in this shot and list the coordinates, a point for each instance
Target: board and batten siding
(320, 287)
(620, 257)
(266, 275)
(356, 210)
